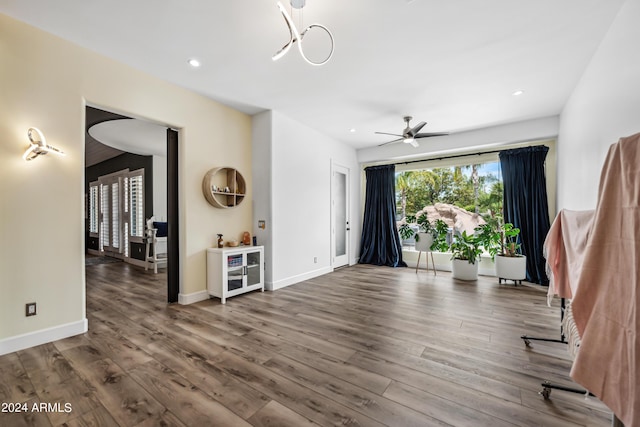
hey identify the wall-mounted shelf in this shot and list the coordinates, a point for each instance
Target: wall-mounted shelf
(217, 180)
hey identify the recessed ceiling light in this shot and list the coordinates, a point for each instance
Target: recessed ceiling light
(352, 130)
(517, 93)
(194, 62)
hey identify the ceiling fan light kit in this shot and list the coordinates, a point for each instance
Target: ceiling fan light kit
(296, 36)
(410, 134)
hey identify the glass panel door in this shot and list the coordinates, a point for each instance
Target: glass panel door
(253, 268)
(340, 216)
(235, 272)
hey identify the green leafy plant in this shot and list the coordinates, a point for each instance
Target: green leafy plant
(440, 233)
(489, 238)
(509, 240)
(466, 247)
(421, 220)
(498, 238)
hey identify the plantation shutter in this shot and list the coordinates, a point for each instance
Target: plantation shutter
(136, 197)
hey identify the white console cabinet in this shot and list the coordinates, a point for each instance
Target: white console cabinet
(234, 271)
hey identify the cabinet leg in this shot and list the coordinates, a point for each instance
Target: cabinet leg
(418, 263)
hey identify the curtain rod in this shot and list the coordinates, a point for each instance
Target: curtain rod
(454, 156)
(479, 153)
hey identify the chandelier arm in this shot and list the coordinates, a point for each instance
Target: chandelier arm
(302, 52)
(293, 33)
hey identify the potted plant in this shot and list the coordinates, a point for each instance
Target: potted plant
(510, 263)
(489, 237)
(440, 234)
(465, 256)
(420, 227)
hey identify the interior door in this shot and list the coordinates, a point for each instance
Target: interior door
(340, 227)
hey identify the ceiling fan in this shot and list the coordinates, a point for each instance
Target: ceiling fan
(410, 134)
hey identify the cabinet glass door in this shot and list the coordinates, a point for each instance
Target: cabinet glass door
(235, 272)
(253, 268)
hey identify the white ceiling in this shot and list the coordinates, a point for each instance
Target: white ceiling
(451, 63)
(131, 135)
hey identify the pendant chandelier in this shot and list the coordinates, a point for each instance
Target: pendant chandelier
(296, 36)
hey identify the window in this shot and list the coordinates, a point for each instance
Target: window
(115, 215)
(93, 208)
(474, 187)
(116, 210)
(104, 213)
(136, 197)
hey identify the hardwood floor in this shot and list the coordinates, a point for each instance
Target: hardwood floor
(364, 345)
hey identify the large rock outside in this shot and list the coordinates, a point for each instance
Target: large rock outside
(457, 218)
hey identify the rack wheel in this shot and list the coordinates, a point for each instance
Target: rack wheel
(546, 391)
(526, 341)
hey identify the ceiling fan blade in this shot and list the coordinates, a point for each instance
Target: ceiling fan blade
(390, 142)
(386, 133)
(430, 134)
(414, 131)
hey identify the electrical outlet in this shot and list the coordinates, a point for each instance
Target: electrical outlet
(315, 259)
(31, 309)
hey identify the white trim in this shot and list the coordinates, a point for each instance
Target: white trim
(135, 261)
(185, 299)
(43, 336)
(295, 279)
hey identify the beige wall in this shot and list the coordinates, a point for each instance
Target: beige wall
(46, 82)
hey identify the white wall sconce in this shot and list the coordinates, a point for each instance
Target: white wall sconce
(38, 145)
(296, 36)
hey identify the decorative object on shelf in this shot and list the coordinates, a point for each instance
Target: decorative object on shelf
(38, 145)
(295, 36)
(224, 187)
(246, 238)
(220, 241)
(233, 243)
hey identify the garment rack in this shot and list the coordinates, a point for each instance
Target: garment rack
(527, 339)
(547, 386)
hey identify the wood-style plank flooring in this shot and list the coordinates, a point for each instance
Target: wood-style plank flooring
(365, 345)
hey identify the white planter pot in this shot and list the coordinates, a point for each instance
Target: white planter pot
(424, 242)
(511, 268)
(463, 270)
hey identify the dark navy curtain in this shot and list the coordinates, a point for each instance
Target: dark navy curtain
(380, 243)
(525, 203)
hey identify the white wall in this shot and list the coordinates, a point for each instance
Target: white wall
(485, 138)
(604, 106)
(299, 211)
(46, 82)
(262, 203)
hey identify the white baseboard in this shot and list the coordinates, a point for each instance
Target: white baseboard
(32, 339)
(185, 299)
(137, 262)
(272, 286)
